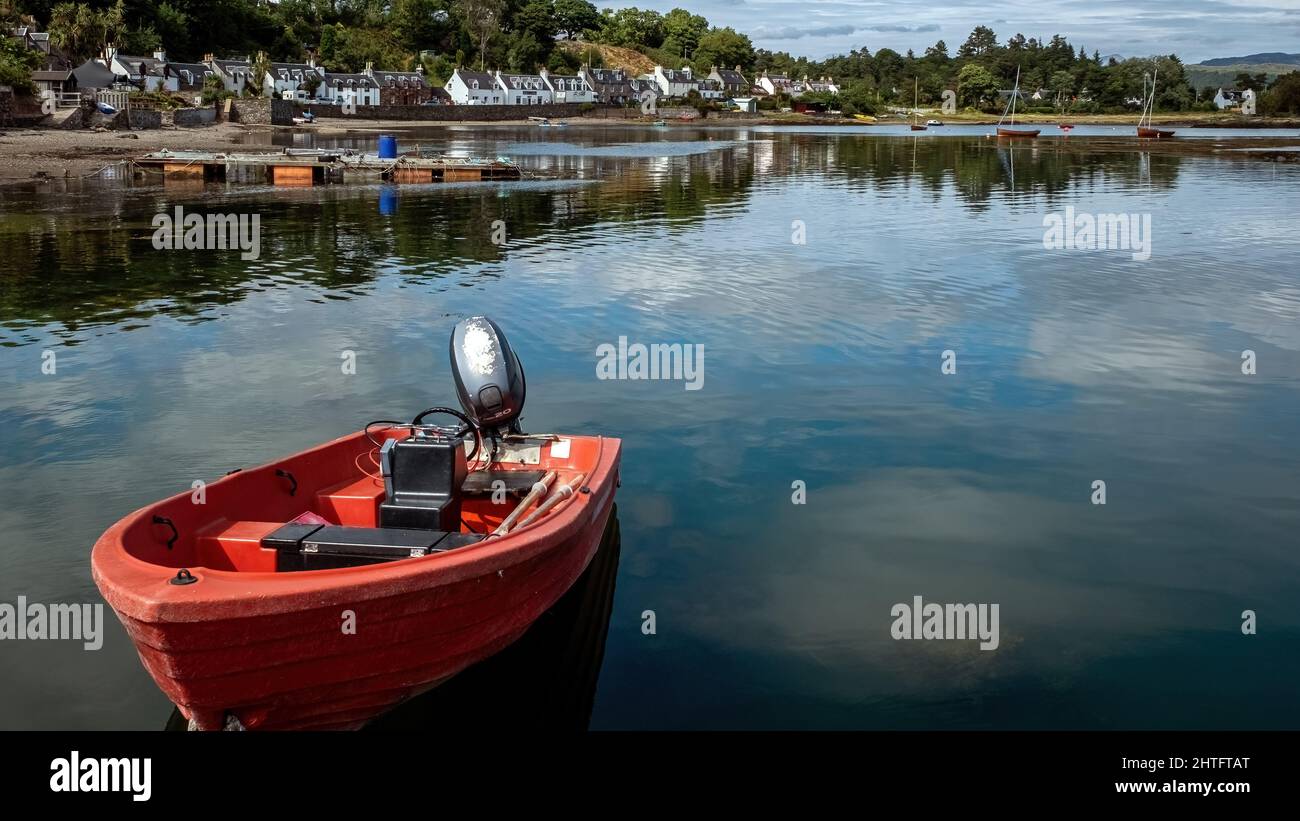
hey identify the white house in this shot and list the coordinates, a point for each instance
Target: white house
(292, 80)
(234, 74)
(1228, 98)
(144, 72)
(824, 85)
(186, 76)
(711, 89)
(474, 88)
(733, 82)
(675, 83)
(779, 84)
(524, 89)
(340, 89)
(566, 88)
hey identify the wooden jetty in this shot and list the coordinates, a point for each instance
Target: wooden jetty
(299, 167)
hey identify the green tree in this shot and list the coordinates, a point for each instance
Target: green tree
(976, 84)
(632, 27)
(682, 32)
(482, 19)
(573, 17)
(260, 68)
(1283, 97)
(858, 98)
(17, 62)
(982, 41)
(724, 48)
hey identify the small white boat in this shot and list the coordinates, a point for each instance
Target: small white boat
(933, 122)
(546, 123)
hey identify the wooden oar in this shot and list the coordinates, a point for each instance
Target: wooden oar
(538, 490)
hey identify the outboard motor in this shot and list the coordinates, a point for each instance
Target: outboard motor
(489, 376)
(424, 474)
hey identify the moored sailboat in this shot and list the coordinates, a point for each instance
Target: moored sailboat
(1026, 133)
(916, 115)
(1145, 128)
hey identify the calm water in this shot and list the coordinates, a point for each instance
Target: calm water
(822, 366)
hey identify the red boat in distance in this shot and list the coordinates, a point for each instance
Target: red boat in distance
(1009, 114)
(1145, 128)
(321, 589)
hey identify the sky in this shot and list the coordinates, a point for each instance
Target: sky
(1195, 30)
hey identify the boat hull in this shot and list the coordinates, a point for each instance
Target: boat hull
(1154, 133)
(1014, 133)
(332, 649)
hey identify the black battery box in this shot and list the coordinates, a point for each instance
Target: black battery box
(320, 547)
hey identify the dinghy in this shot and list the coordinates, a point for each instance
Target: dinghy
(323, 588)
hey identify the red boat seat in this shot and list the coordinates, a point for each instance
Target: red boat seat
(353, 502)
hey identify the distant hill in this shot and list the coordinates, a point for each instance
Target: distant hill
(1224, 76)
(1263, 58)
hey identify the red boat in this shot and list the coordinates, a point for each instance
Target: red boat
(1154, 133)
(320, 590)
(1014, 133)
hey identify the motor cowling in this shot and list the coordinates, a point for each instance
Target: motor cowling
(489, 376)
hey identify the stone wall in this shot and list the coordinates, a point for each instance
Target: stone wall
(141, 118)
(444, 113)
(261, 111)
(681, 113)
(192, 117)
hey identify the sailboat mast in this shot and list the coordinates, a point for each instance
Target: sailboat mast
(1015, 92)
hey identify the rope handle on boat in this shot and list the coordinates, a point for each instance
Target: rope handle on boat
(163, 520)
(284, 474)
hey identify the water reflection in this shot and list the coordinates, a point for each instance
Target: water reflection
(82, 256)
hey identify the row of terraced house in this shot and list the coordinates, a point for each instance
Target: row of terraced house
(308, 82)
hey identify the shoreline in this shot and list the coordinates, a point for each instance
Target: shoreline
(37, 154)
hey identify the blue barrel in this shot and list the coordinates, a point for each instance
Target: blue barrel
(387, 147)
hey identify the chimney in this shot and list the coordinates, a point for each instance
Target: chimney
(543, 73)
(208, 58)
(419, 68)
(369, 69)
(160, 56)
